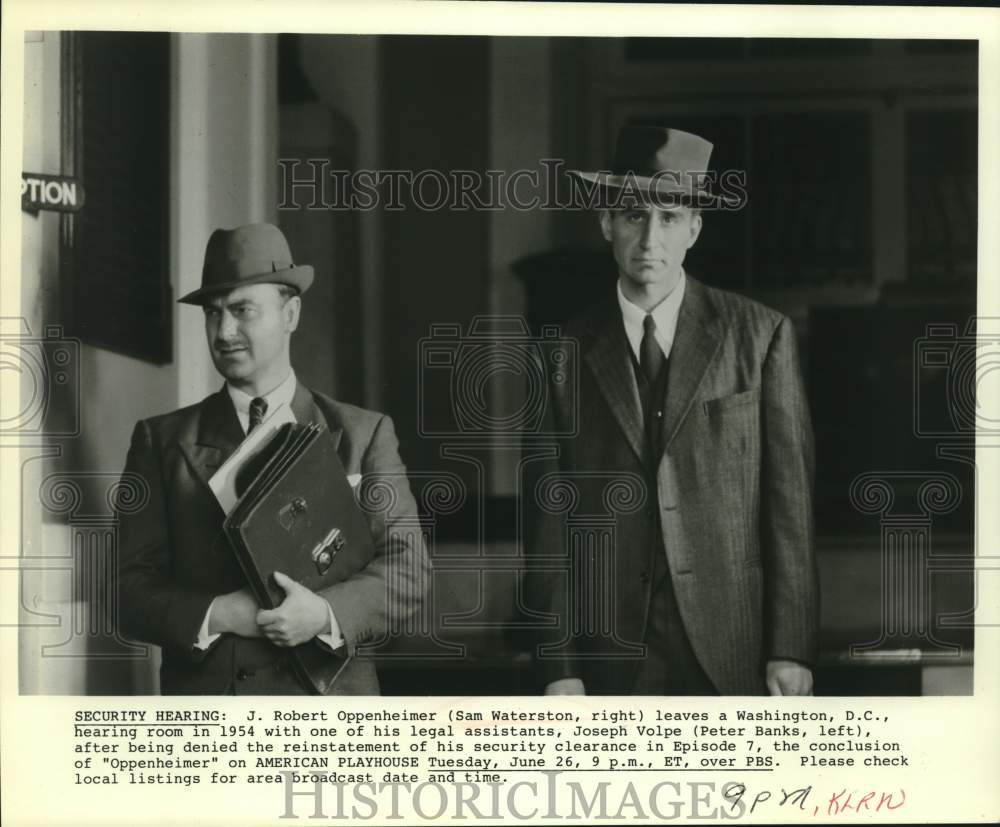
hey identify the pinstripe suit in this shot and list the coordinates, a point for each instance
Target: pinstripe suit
(728, 501)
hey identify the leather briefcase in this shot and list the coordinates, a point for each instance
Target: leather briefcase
(298, 515)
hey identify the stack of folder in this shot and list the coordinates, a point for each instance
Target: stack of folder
(296, 514)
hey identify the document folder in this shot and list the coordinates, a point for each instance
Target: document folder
(297, 514)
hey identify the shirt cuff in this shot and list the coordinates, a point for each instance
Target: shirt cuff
(334, 639)
(204, 638)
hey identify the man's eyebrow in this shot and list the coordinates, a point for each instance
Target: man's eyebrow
(239, 304)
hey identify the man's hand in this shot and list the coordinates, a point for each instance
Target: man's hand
(565, 686)
(786, 677)
(235, 612)
(301, 616)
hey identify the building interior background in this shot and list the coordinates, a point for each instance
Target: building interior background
(861, 225)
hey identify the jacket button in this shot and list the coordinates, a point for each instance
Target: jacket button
(242, 675)
(644, 578)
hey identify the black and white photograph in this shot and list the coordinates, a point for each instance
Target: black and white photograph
(675, 337)
(547, 369)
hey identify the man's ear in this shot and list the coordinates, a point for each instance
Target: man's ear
(292, 310)
(606, 224)
(695, 229)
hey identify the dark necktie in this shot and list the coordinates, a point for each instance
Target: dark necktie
(651, 363)
(258, 408)
(650, 355)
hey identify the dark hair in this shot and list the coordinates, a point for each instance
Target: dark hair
(286, 291)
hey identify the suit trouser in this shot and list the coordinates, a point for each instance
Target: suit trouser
(670, 666)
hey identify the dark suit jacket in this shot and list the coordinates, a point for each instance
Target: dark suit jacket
(174, 558)
(732, 490)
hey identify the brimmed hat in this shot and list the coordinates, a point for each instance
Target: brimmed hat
(667, 165)
(251, 254)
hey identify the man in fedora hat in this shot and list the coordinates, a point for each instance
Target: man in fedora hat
(179, 584)
(691, 397)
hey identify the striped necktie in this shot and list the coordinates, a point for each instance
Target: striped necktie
(258, 408)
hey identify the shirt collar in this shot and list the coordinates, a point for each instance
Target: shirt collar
(281, 395)
(664, 314)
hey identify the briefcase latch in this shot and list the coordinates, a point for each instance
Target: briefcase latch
(324, 551)
(291, 512)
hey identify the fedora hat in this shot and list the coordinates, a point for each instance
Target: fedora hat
(251, 254)
(669, 165)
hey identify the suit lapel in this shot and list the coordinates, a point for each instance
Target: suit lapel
(608, 358)
(304, 407)
(696, 343)
(307, 412)
(219, 434)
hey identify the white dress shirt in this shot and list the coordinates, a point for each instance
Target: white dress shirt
(281, 395)
(664, 314)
